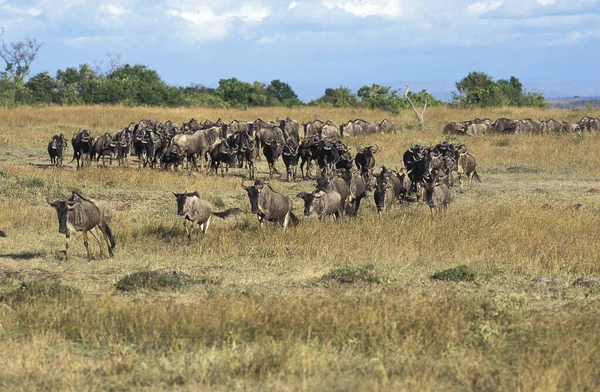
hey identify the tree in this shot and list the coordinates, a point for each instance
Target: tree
(478, 89)
(380, 97)
(18, 57)
(280, 93)
(338, 97)
(43, 88)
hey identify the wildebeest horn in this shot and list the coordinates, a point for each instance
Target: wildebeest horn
(376, 151)
(243, 186)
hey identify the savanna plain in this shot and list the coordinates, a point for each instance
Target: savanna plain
(333, 306)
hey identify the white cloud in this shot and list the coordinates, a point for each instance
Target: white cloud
(480, 8)
(113, 9)
(363, 8)
(292, 5)
(204, 24)
(546, 2)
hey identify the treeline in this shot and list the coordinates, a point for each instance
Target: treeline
(139, 85)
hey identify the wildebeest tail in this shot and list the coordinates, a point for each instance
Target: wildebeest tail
(294, 219)
(226, 213)
(111, 237)
(476, 176)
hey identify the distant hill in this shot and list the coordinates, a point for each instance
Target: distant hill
(574, 102)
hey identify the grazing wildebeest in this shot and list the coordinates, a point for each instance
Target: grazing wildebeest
(56, 148)
(269, 205)
(571, 127)
(82, 146)
(467, 164)
(330, 131)
(102, 146)
(437, 195)
(289, 155)
(552, 125)
(80, 214)
(478, 127)
(351, 128)
(365, 161)
(456, 128)
(198, 212)
(322, 203)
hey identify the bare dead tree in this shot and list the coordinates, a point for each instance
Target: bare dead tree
(113, 63)
(420, 118)
(18, 56)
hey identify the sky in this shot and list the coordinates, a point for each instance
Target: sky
(552, 46)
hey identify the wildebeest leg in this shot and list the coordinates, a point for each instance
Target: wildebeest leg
(87, 248)
(68, 237)
(261, 220)
(205, 225)
(98, 241)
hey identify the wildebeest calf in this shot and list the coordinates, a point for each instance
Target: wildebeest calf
(198, 212)
(80, 214)
(437, 195)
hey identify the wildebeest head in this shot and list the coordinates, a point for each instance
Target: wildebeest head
(310, 200)
(62, 208)
(181, 198)
(254, 193)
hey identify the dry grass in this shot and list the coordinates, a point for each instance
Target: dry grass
(264, 318)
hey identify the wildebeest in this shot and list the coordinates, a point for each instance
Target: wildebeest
(123, 141)
(330, 131)
(322, 204)
(357, 190)
(529, 126)
(552, 125)
(305, 152)
(82, 146)
(478, 127)
(290, 130)
(196, 144)
(56, 149)
(437, 195)
(365, 161)
(269, 205)
(271, 151)
(504, 125)
(590, 124)
(198, 212)
(384, 194)
(81, 214)
(467, 164)
(222, 154)
(571, 127)
(386, 126)
(289, 155)
(103, 145)
(313, 128)
(334, 183)
(456, 128)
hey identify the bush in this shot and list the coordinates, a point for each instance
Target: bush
(461, 273)
(154, 280)
(365, 273)
(35, 291)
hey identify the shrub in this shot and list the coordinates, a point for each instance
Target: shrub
(351, 274)
(35, 291)
(462, 273)
(154, 280)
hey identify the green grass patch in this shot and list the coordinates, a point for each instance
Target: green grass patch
(353, 274)
(32, 182)
(462, 273)
(38, 291)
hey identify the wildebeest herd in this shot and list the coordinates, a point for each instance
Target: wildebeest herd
(342, 180)
(524, 126)
(221, 146)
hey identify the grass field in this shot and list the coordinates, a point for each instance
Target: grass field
(333, 306)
